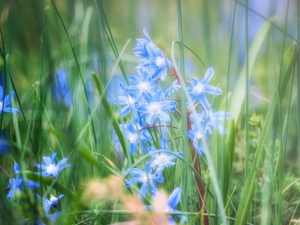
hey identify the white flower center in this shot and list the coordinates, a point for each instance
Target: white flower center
(199, 135)
(144, 86)
(198, 89)
(132, 138)
(145, 178)
(53, 198)
(162, 159)
(160, 62)
(130, 101)
(51, 169)
(154, 107)
(1, 105)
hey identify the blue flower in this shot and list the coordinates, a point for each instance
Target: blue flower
(127, 101)
(153, 59)
(156, 107)
(140, 85)
(61, 91)
(173, 202)
(196, 135)
(50, 203)
(142, 45)
(4, 145)
(209, 120)
(16, 184)
(162, 160)
(4, 103)
(132, 136)
(51, 168)
(114, 88)
(198, 88)
(146, 177)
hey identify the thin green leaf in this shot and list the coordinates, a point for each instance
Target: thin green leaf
(228, 161)
(238, 96)
(110, 114)
(250, 186)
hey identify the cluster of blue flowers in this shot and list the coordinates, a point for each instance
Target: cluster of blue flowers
(146, 109)
(149, 106)
(203, 122)
(16, 185)
(49, 168)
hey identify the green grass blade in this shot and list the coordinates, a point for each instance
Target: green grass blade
(228, 162)
(238, 96)
(250, 186)
(110, 114)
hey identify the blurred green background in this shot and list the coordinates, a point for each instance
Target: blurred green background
(41, 37)
(37, 45)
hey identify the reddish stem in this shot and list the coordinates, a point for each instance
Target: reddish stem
(197, 167)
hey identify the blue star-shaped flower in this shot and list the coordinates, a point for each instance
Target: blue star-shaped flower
(50, 168)
(198, 88)
(146, 178)
(209, 120)
(127, 101)
(4, 144)
(16, 184)
(4, 103)
(132, 136)
(162, 160)
(173, 202)
(61, 91)
(196, 135)
(156, 108)
(50, 203)
(142, 84)
(153, 59)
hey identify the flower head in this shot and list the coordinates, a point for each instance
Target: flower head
(4, 103)
(16, 184)
(146, 177)
(173, 202)
(209, 120)
(4, 144)
(198, 88)
(50, 168)
(196, 135)
(142, 84)
(127, 101)
(132, 136)
(61, 91)
(153, 59)
(161, 159)
(52, 202)
(156, 108)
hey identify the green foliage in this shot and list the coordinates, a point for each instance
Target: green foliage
(250, 175)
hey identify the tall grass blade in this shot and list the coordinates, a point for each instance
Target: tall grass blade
(250, 186)
(110, 114)
(238, 96)
(228, 162)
